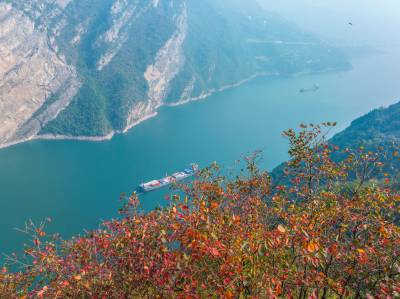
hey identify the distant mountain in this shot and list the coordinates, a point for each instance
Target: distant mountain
(380, 127)
(377, 132)
(90, 68)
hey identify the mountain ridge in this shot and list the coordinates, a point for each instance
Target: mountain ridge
(125, 59)
(376, 132)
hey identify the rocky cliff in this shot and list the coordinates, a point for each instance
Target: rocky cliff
(89, 68)
(31, 71)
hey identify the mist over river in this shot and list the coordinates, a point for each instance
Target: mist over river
(78, 183)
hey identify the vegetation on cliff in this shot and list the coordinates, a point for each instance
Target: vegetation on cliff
(237, 237)
(101, 66)
(377, 129)
(375, 132)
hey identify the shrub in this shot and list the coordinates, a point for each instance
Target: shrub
(237, 237)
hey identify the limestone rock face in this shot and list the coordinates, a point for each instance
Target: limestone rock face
(159, 75)
(30, 72)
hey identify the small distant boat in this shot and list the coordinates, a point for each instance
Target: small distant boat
(168, 180)
(314, 88)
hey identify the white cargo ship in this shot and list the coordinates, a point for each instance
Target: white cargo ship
(168, 180)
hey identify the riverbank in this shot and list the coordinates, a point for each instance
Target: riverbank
(130, 126)
(154, 112)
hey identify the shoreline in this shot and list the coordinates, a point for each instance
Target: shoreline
(137, 122)
(111, 134)
(211, 92)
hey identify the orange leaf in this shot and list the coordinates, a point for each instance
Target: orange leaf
(236, 219)
(214, 205)
(281, 229)
(228, 294)
(312, 247)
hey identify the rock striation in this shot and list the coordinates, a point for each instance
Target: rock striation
(30, 72)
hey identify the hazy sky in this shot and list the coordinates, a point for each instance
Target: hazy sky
(375, 22)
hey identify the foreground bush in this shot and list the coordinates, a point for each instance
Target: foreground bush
(318, 237)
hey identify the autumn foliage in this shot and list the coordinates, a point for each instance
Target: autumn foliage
(330, 232)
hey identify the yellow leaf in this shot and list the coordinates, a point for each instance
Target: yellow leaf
(77, 277)
(383, 231)
(281, 229)
(312, 247)
(359, 250)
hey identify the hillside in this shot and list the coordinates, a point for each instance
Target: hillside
(89, 68)
(380, 127)
(377, 132)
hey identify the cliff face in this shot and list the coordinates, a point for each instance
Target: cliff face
(30, 71)
(90, 68)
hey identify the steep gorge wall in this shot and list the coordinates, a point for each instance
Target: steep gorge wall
(88, 68)
(159, 75)
(30, 72)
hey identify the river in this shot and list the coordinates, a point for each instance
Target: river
(78, 183)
